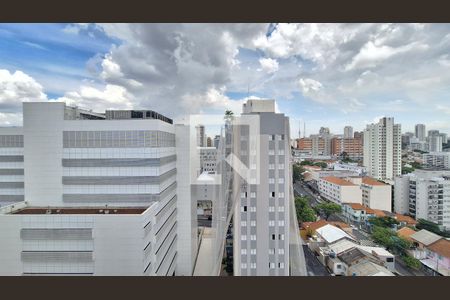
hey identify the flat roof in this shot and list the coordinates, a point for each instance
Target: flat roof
(80, 211)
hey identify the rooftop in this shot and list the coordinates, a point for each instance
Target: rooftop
(356, 206)
(371, 181)
(80, 211)
(368, 268)
(351, 255)
(338, 181)
(406, 219)
(332, 234)
(406, 233)
(425, 237)
(314, 225)
(441, 247)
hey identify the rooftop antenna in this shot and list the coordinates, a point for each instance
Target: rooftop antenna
(299, 131)
(304, 129)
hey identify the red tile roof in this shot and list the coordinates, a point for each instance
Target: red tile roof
(371, 181)
(441, 247)
(338, 181)
(405, 233)
(406, 219)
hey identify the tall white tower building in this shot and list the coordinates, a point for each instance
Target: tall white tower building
(261, 218)
(420, 132)
(382, 149)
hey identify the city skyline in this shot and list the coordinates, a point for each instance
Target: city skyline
(353, 72)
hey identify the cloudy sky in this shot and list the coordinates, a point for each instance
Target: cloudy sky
(324, 74)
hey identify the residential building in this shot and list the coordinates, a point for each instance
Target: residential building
(420, 132)
(376, 194)
(356, 212)
(440, 160)
(261, 219)
(382, 149)
(208, 159)
(353, 167)
(201, 136)
(339, 190)
(348, 132)
(112, 180)
(406, 139)
(352, 147)
(433, 251)
(358, 135)
(435, 143)
(216, 141)
(426, 193)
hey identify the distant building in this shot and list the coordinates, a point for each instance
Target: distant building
(208, 159)
(201, 136)
(420, 132)
(216, 141)
(208, 142)
(439, 160)
(435, 143)
(353, 147)
(348, 132)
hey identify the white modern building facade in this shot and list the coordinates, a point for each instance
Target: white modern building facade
(339, 190)
(261, 218)
(102, 166)
(437, 160)
(382, 149)
(424, 194)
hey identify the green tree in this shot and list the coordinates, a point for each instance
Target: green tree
(297, 172)
(411, 262)
(229, 115)
(328, 209)
(384, 221)
(303, 210)
(406, 170)
(431, 226)
(383, 236)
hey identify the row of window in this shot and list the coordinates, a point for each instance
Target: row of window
(271, 265)
(271, 194)
(272, 166)
(271, 251)
(245, 208)
(272, 152)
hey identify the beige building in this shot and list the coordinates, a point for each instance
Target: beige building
(376, 194)
(339, 190)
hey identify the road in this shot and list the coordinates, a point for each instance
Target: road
(297, 263)
(313, 266)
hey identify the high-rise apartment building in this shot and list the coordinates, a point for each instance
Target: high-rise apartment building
(201, 136)
(261, 218)
(435, 143)
(216, 141)
(382, 149)
(439, 160)
(100, 193)
(353, 147)
(348, 132)
(420, 132)
(424, 194)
